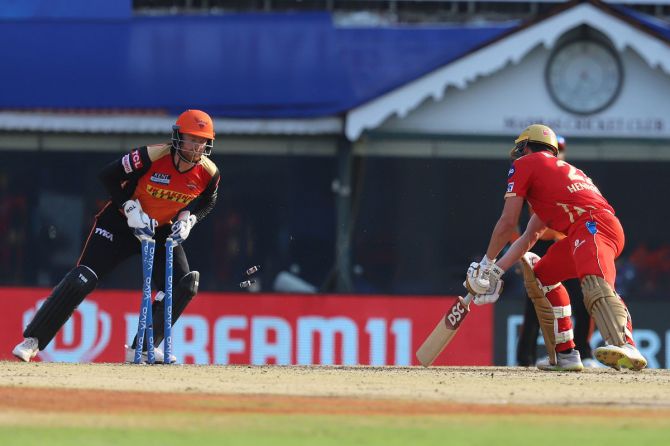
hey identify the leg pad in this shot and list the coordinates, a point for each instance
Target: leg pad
(59, 306)
(184, 292)
(543, 308)
(606, 308)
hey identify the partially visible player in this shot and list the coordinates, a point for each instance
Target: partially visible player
(566, 200)
(527, 344)
(156, 191)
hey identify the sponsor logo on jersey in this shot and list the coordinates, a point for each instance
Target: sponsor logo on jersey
(105, 233)
(162, 178)
(136, 158)
(192, 186)
(511, 172)
(165, 194)
(125, 161)
(510, 186)
(591, 226)
(578, 243)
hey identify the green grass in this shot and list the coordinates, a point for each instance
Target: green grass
(298, 430)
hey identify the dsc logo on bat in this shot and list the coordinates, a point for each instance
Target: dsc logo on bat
(455, 316)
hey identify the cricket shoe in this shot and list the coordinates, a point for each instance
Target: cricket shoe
(159, 356)
(626, 356)
(27, 349)
(590, 363)
(565, 362)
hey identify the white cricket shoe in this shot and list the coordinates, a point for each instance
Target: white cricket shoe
(27, 349)
(590, 363)
(159, 356)
(626, 356)
(565, 362)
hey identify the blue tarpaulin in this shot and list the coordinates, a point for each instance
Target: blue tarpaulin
(289, 65)
(65, 9)
(240, 65)
(659, 26)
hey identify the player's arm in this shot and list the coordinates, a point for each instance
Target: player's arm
(196, 210)
(205, 202)
(120, 176)
(523, 244)
(482, 279)
(120, 179)
(506, 226)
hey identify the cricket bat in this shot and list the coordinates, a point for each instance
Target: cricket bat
(444, 331)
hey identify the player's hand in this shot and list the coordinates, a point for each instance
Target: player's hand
(489, 298)
(482, 278)
(143, 226)
(182, 227)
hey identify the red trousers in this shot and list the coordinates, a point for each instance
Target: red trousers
(592, 244)
(584, 251)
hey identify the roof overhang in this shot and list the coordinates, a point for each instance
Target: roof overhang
(510, 49)
(138, 123)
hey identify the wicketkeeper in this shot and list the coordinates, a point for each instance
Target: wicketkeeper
(564, 199)
(156, 191)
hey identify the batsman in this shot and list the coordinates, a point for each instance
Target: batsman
(564, 199)
(156, 191)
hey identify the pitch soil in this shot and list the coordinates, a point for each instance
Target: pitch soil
(395, 391)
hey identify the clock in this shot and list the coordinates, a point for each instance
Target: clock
(584, 76)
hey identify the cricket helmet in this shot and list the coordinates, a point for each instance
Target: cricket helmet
(195, 123)
(535, 133)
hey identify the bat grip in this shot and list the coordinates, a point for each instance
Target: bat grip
(468, 298)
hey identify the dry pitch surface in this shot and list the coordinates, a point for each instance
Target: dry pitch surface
(109, 388)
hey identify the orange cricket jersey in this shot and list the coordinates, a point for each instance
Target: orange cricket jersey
(163, 191)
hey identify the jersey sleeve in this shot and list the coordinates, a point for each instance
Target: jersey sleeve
(120, 176)
(518, 179)
(205, 202)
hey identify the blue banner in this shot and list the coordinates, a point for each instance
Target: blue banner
(65, 9)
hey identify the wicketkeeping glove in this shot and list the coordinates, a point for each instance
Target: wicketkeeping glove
(182, 227)
(143, 226)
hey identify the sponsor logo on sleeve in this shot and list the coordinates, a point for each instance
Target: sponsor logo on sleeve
(511, 172)
(137, 159)
(125, 161)
(510, 186)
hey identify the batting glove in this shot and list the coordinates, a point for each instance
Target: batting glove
(489, 298)
(483, 277)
